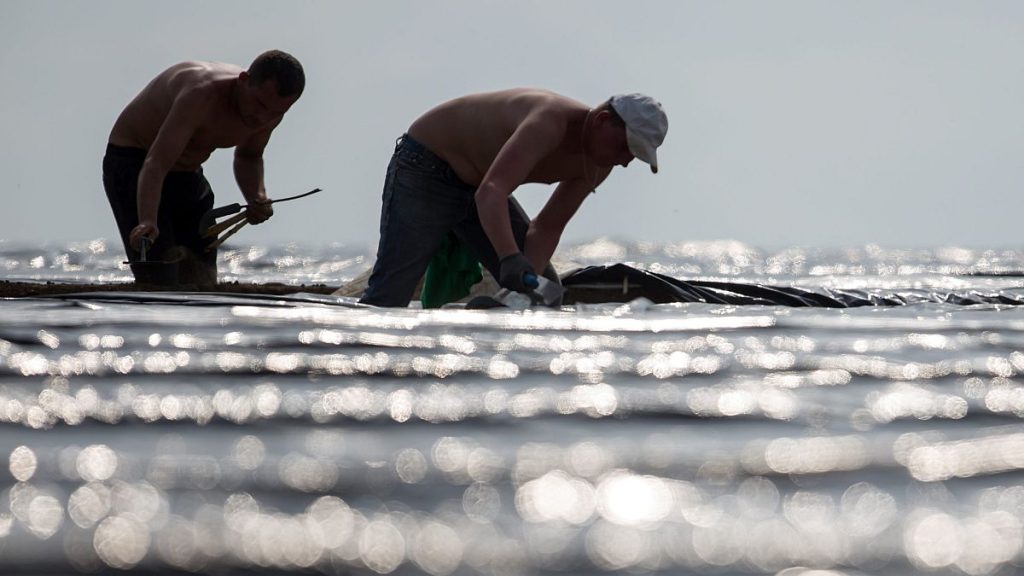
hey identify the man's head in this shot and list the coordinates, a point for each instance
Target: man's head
(629, 124)
(273, 82)
(605, 137)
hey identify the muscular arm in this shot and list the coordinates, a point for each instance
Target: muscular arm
(546, 229)
(248, 167)
(186, 114)
(536, 137)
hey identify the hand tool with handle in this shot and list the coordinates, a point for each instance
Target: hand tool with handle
(210, 217)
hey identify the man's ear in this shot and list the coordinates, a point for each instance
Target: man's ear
(243, 76)
(602, 117)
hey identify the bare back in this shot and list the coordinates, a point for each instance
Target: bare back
(470, 131)
(220, 127)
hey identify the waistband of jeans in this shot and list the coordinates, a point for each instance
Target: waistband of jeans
(411, 148)
(409, 144)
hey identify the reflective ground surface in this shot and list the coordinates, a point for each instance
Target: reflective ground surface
(310, 435)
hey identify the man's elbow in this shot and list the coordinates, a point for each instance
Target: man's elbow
(155, 167)
(541, 236)
(547, 227)
(247, 156)
(487, 194)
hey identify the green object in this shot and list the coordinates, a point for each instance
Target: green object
(451, 274)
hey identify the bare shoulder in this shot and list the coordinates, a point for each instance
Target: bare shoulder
(540, 101)
(538, 107)
(196, 81)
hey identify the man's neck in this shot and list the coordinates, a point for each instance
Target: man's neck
(576, 131)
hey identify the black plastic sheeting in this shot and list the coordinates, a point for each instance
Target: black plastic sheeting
(622, 283)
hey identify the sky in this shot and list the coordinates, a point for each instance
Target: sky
(809, 123)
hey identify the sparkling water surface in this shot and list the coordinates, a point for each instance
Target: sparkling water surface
(240, 434)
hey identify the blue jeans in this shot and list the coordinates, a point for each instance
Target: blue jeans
(423, 201)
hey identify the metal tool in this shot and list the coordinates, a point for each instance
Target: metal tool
(210, 218)
(544, 292)
(548, 291)
(210, 228)
(144, 244)
(143, 248)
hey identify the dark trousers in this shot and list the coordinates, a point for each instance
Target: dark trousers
(185, 197)
(423, 201)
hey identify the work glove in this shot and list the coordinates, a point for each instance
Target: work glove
(516, 273)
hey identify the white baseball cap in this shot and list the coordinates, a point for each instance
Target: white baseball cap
(646, 125)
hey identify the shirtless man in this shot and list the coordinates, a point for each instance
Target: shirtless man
(152, 170)
(459, 163)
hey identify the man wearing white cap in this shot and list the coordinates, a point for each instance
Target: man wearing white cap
(456, 168)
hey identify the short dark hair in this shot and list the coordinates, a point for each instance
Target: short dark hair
(282, 68)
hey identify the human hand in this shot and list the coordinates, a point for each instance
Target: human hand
(516, 273)
(145, 229)
(259, 211)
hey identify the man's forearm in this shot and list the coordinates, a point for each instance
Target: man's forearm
(249, 176)
(149, 188)
(492, 207)
(540, 246)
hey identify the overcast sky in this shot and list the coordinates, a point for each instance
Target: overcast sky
(814, 123)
